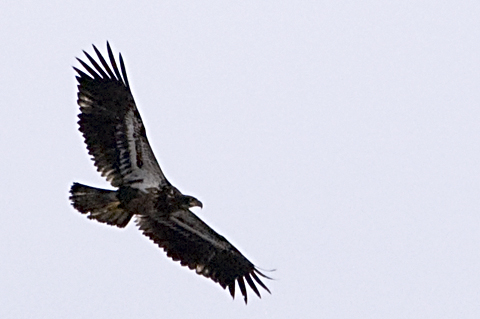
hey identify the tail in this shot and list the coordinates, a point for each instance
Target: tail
(101, 205)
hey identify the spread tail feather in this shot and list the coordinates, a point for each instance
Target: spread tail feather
(100, 204)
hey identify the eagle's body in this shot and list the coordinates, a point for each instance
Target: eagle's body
(116, 139)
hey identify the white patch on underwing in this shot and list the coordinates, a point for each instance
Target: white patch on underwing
(199, 269)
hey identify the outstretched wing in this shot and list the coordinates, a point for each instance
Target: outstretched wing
(112, 127)
(186, 238)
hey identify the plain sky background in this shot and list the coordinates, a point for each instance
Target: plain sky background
(337, 142)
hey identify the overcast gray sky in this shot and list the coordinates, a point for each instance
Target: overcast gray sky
(334, 141)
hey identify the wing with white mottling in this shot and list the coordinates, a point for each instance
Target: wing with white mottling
(186, 238)
(112, 127)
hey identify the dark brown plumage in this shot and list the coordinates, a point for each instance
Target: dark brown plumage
(116, 139)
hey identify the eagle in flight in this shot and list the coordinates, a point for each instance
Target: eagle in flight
(116, 139)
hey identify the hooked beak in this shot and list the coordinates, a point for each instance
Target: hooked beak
(196, 203)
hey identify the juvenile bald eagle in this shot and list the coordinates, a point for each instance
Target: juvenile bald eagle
(116, 139)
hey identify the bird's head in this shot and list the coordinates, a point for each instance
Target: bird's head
(191, 201)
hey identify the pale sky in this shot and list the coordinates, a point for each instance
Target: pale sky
(337, 142)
